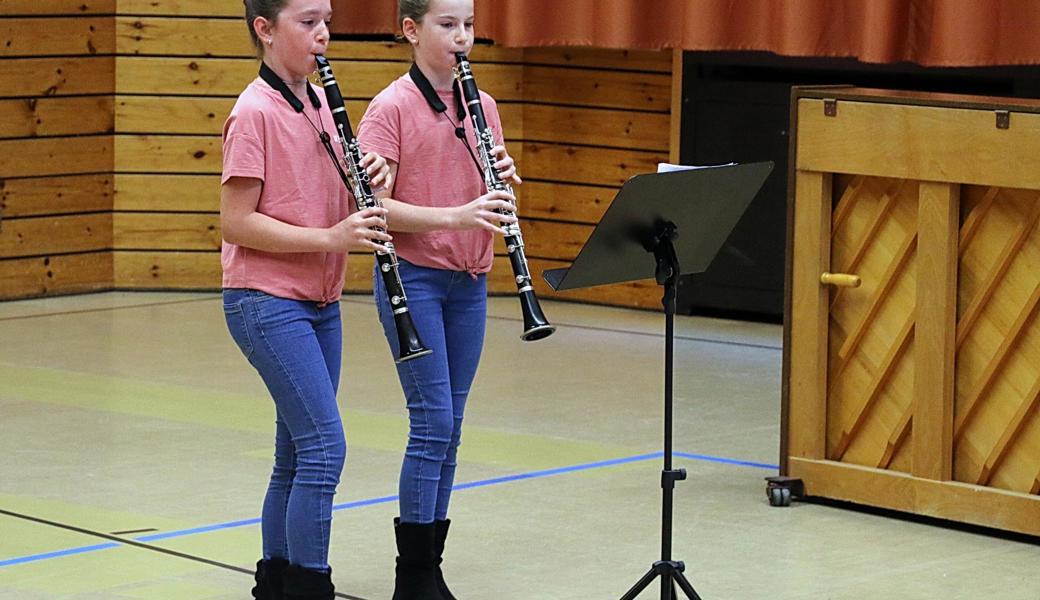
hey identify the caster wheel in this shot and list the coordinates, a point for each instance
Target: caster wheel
(779, 496)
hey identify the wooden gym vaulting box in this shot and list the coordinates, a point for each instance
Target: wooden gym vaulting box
(912, 332)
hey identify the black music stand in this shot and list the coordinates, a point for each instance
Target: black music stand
(647, 216)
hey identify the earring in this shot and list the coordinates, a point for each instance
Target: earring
(268, 41)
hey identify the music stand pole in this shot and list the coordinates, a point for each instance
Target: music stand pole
(646, 216)
(667, 275)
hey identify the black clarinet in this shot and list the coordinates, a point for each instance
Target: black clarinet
(356, 179)
(536, 326)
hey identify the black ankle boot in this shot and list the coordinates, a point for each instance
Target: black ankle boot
(416, 562)
(306, 584)
(440, 533)
(269, 579)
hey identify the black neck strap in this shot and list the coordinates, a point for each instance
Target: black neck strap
(431, 96)
(276, 82)
(438, 106)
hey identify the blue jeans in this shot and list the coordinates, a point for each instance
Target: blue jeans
(449, 309)
(297, 348)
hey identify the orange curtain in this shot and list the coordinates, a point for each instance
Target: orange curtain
(927, 32)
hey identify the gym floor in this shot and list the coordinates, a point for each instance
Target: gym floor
(139, 441)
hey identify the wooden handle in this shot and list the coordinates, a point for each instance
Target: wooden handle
(840, 279)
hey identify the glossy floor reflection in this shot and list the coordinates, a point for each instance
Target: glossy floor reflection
(137, 441)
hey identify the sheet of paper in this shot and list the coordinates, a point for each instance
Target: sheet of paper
(669, 167)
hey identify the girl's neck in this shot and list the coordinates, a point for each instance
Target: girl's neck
(440, 80)
(298, 85)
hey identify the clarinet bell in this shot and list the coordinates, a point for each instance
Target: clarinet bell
(536, 326)
(408, 339)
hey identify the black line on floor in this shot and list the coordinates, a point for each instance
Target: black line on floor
(144, 546)
(106, 308)
(130, 531)
(685, 338)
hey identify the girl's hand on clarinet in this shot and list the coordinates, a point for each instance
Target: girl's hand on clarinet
(378, 170)
(480, 213)
(505, 165)
(358, 232)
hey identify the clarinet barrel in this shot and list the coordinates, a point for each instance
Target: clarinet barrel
(536, 326)
(356, 179)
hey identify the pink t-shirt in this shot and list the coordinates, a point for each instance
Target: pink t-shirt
(264, 138)
(434, 169)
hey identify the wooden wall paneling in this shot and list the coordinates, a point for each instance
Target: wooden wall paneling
(562, 201)
(56, 36)
(153, 269)
(550, 239)
(600, 88)
(675, 118)
(61, 274)
(166, 231)
(64, 234)
(34, 117)
(59, 7)
(168, 154)
(64, 76)
(633, 130)
(183, 36)
(58, 195)
(181, 8)
(228, 76)
(585, 164)
(164, 114)
(56, 156)
(601, 58)
(161, 192)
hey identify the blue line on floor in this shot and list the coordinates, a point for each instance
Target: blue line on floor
(57, 554)
(385, 499)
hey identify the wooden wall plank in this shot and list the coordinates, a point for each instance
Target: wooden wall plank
(65, 194)
(32, 117)
(56, 156)
(56, 36)
(176, 193)
(59, 7)
(228, 76)
(599, 88)
(183, 36)
(167, 154)
(582, 164)
(64, 76)
(166, 270)
(181, 8)
(215, 36)
(206, 115)
(65, 274)
(55, 235)
(657, 61)
(598, 127)
(549, 239)
(561, 201)
(165, 114)
(174, 231)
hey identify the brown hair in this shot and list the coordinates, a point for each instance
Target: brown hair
(268, 9)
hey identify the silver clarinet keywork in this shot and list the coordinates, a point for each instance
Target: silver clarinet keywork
(357, 180)
(536, 326)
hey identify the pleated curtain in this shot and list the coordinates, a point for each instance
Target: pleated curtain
(926, 32)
